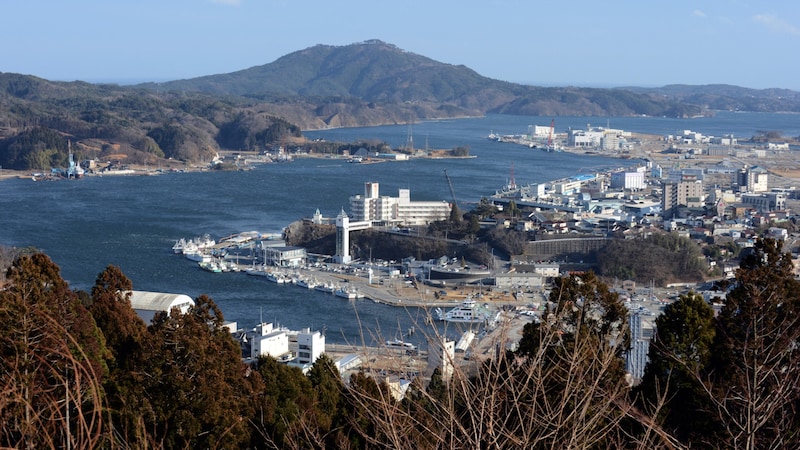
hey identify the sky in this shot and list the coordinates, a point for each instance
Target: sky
(753, 44)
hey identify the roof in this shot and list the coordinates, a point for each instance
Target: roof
(158, 301)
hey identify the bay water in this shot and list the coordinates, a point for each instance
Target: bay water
(132, 221)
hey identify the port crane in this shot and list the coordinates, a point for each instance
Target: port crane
(450, 185)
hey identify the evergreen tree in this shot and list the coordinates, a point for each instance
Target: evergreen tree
(754, 371)
(125, 334)
(51, 362)
(195, 381)
(284, 405)
(679, 352)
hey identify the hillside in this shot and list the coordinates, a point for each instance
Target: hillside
(729, 98)
(371, 75)
(363, 84)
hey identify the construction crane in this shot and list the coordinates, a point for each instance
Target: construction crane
(550, 138)
(450, 184)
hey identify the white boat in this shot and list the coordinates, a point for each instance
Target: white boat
(306, 283)
(179, 246)
(277, 277)
(210, 266)
(350, 294)
(257, 271)
(198, 256)
(467, 312)
(325, 287)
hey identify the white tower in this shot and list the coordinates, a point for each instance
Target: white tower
(342, 238)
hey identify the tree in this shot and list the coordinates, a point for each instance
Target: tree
(284, 410)
(51, 362)
(754, 372)
(125, 334)
(455, 215)
(671, 389)
(327, 385)
(195, 381)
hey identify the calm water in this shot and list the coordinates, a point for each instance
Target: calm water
(132, 222)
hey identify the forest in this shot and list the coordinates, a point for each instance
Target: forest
(82, 370)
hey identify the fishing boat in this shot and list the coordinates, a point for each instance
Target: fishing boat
(325, 287)
(350, 294)
(277, 277)
(306, 283)
(210, 266)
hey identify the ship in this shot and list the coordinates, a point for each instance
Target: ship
(350, 294)
(466, 274)
(467, 312)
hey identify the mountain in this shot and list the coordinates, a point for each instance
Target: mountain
(363, 84)
(374, 74)
(724, 97)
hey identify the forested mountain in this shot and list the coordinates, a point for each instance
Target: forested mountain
(729, 98)
(363, 84)
(375, 72)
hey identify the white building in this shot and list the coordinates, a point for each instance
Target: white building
(265, 340)
(310, 346)
(752, 179)
(396, 210)
(441, 354)
(584, 138)
(148, 304)
(628, 180)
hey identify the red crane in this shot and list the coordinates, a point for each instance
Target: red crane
(550, 138)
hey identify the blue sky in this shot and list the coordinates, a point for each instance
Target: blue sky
(553, 43)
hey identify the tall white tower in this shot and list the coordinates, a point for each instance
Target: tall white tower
(342, 238)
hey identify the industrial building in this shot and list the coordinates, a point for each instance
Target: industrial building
(148, 304)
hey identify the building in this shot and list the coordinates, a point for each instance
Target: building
(584, 138)
(752, 179)
(441, 354)
(687, 192)
(310, 346)
(265, 340)
(343, 229)
(285, 256)
(637, 359)
(765, 202)
(628, 180)
(148, 304)
(396, 210)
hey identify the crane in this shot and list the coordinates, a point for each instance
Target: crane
(550, 138)
(450, 184)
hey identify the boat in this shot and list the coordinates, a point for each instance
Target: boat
(306, 283)
(467, 312)
(464, 274)
(350, 294)
(179, 246)
(210, 266)
(277, 277)
(257, 271)
(325, 287)
(197, 255)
